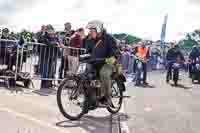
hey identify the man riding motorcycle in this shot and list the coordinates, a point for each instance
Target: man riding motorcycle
(192, 57)
(102, 45)
(172, 55)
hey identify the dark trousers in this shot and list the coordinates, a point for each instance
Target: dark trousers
(134, 67)
(144, 66)
(169, 71)
(63, 67)
(190, 69)
(48, 71)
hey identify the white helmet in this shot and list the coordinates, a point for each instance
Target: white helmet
(96, 24)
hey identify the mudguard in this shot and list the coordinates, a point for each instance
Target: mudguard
(121, 79)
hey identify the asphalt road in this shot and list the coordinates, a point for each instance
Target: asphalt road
(160, 108)
(163, 108)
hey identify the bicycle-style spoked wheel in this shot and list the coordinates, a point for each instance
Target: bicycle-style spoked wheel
(71, 99)
(116, 98)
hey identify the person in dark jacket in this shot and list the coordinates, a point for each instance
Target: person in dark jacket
(172, 55)
(8, 53)
(8, 47)
(101, 45)
(48, 56)
(39, 37)
(192, 58)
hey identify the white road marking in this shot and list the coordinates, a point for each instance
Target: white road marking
(124, 125)
(27, 117)
(25, 99)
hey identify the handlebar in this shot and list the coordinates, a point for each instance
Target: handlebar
(92, 61)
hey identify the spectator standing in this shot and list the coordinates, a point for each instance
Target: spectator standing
(66, 41)
(76, 43)
(143, 52)
(49, 57)
(40, 39)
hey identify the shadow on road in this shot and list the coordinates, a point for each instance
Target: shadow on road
(89, 123)
(45, 92)
(146, 86)
(181, 86)
(149, 86)
(17, 87)
(93, 124)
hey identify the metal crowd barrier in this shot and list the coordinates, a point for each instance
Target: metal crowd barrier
(9, 59)
(49, 62)
(43, 62)
(127, 61)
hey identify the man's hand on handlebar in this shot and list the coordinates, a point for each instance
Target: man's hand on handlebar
(112, 60)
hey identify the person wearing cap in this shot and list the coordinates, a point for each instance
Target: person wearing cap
(195, 52)
(172, 54)
(5, 33)
(143, 52)
(4, 51)
(102, 45)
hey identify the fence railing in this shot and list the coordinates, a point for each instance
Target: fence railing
(9, 58)
(40, 61)
(49, 62)
(44, 62)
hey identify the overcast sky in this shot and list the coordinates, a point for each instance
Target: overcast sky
(142, 18)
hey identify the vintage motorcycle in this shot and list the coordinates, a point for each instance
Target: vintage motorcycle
(84, 86)
(196, 70)
(175, 70)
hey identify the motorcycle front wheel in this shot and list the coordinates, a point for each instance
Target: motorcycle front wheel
(70, 91)
(116, 98)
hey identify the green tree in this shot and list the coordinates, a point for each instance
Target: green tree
(129, 39)
(190, 39)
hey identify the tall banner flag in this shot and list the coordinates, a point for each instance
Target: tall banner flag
(163, 33)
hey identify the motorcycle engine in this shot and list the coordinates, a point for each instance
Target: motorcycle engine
(198, 66)
(176, 65)
(95, 84)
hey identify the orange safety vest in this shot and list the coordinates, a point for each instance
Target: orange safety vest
(142, 52)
